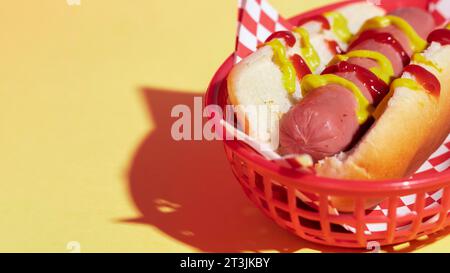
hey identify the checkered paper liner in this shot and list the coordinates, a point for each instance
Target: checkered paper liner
(440, 9)
(257, 20)
(439, 161)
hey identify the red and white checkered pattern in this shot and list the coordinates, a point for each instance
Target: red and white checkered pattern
(257, 20)
(439, 161)
(405, 206)
(440, 9)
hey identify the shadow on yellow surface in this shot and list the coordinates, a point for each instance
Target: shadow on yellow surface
(186, 189)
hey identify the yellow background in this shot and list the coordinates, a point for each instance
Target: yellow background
(85, 97)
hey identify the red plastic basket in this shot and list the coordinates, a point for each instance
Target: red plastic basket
(275, 189)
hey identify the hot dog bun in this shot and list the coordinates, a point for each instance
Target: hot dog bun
(412, 125)
(358, 13)
(246, 86)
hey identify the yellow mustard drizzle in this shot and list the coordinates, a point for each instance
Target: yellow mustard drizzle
(309, 54)
(384, 71)
(339, 26)
(286, 66)
(419, 58)
(417, 43)
(400, 82)
(409, 83)
(311, 82)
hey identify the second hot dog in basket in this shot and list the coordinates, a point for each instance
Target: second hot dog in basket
(337, 105)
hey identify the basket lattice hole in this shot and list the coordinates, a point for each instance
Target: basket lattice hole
(402, 224)
(283, 214)
(259, 183)
(264, 204)
(307, 223)
(279, 193)
(303, 206)
(427, 218)
(336, 228)
(421, 236)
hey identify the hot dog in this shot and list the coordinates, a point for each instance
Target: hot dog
(337, 106)
(271, 75)
(411, 122)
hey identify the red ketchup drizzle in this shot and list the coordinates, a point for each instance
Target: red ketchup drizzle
(384, 38)
(316, 18)
(425, 78)
(288, 37)
(441, 36)
(325, 24)
(334, 47)
(300, 66)
(377, 88)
